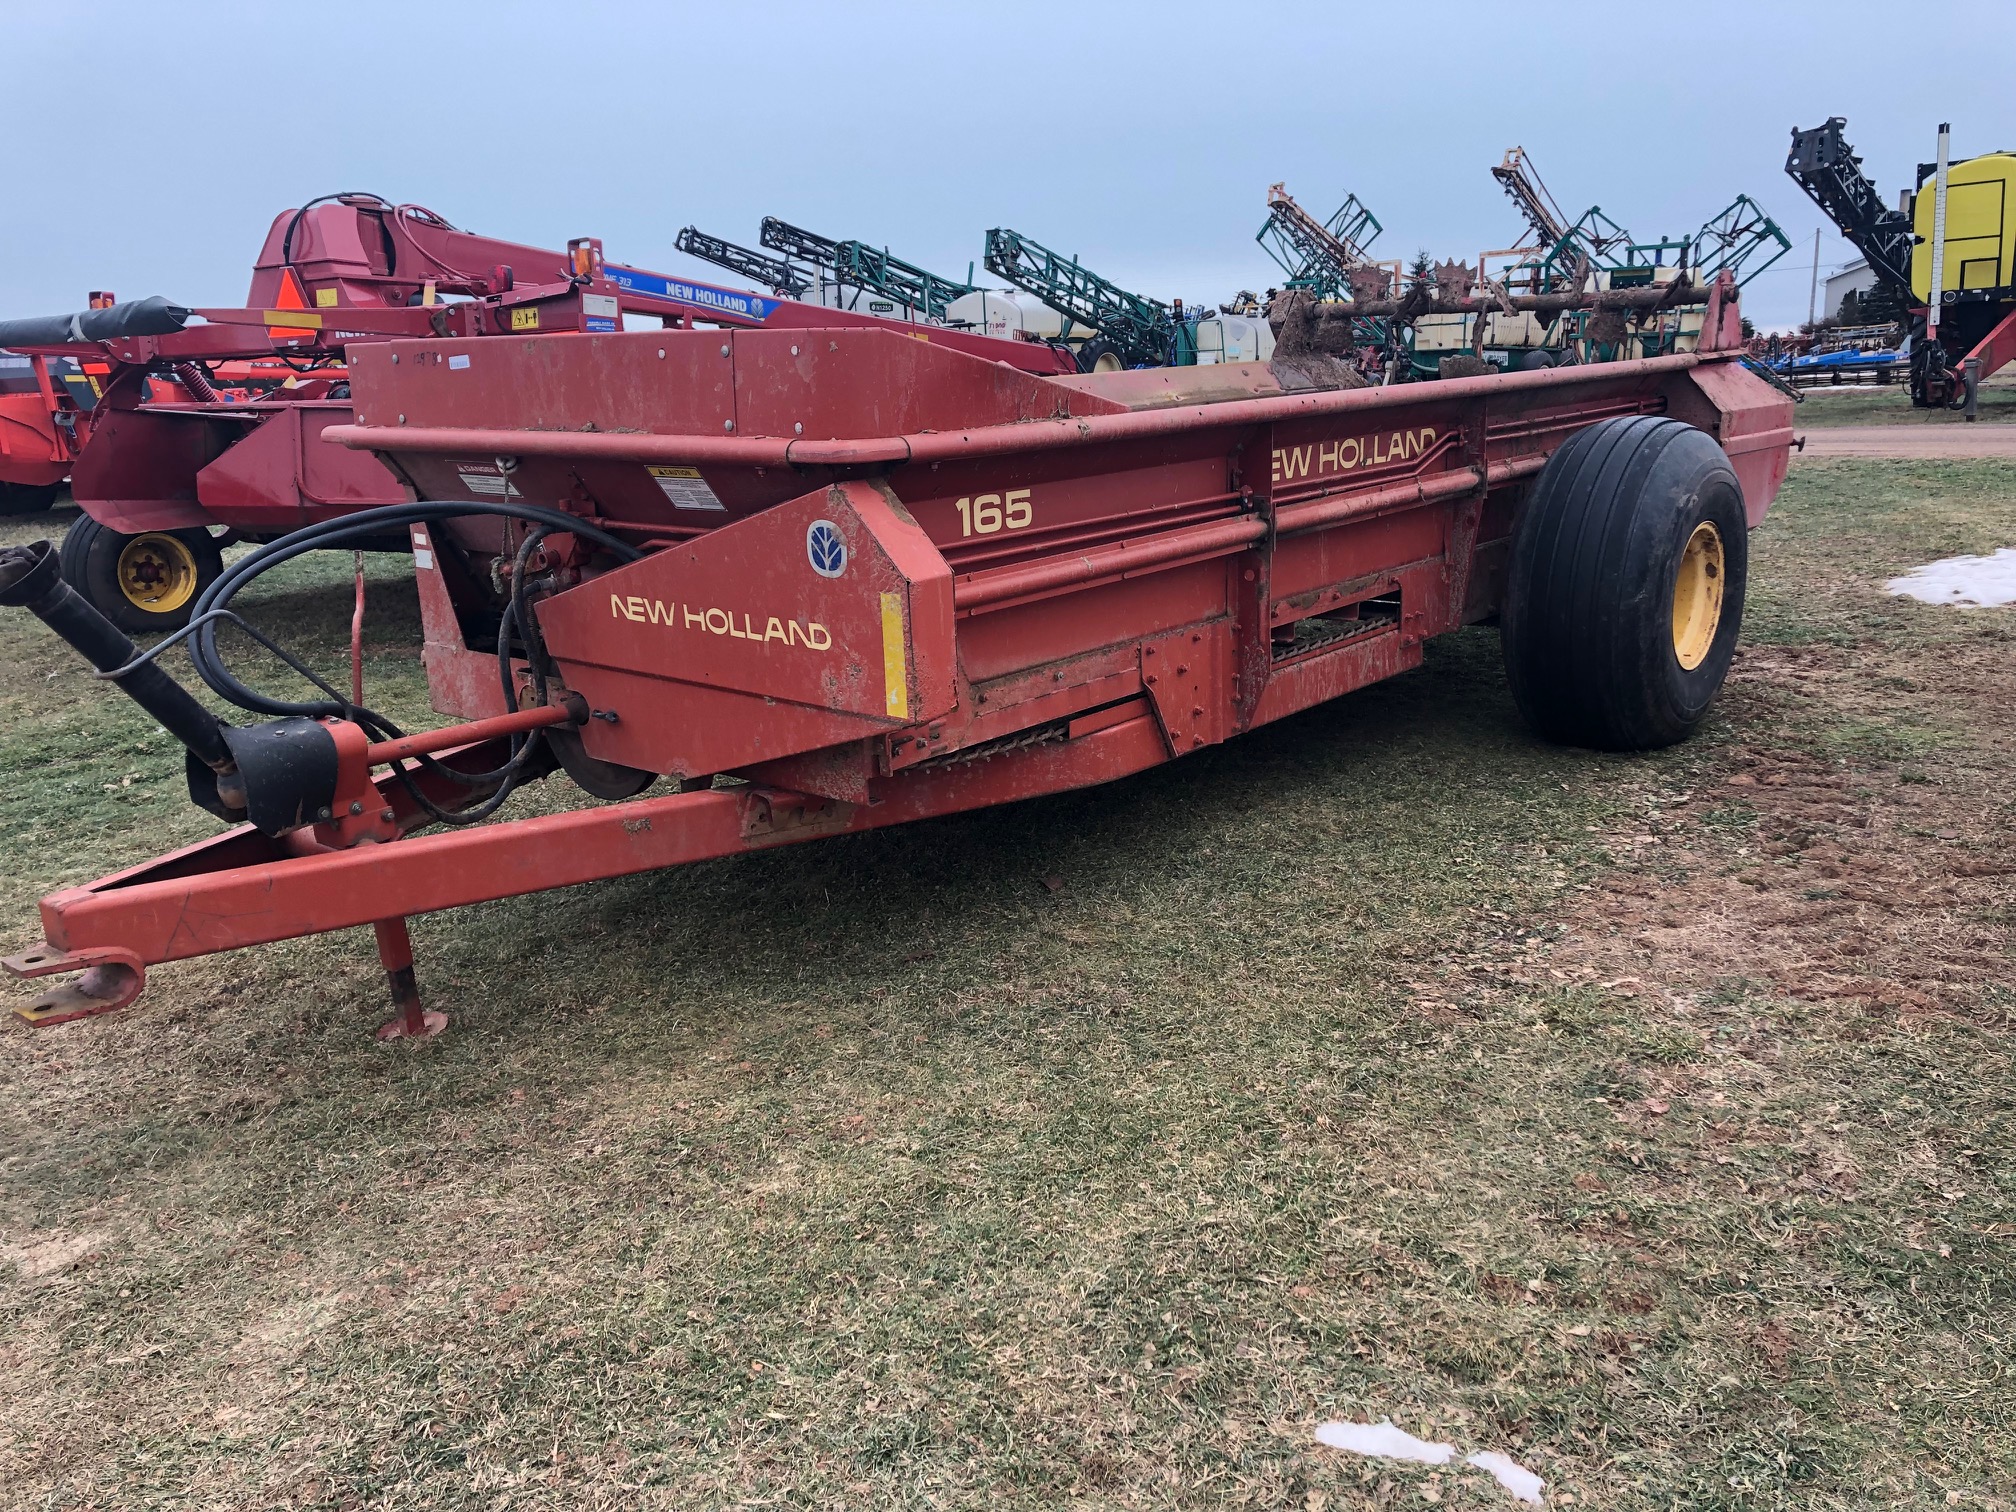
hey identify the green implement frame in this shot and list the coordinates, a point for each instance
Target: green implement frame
(876, 270)
(773, 272)
(1726, 243)
(1730, 240)
(1143, 331)
(1317, 255)
(872, 270)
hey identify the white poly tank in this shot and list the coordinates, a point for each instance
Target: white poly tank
(834, 296)
(1008, 313)
(1233, 338)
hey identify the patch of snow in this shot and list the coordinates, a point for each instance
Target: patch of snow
(1510, 1474)
(1972, 582)
(1383, 1440)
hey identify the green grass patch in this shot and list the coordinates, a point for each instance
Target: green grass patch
(878, 1173)
(1891, 405)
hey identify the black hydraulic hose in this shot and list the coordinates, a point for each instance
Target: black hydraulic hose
(29, 579)
(207, 612)
(518, 614)
(507, 777)
(203, 645)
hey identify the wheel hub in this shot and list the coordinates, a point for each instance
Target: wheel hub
(157, 572)
(1697, 596)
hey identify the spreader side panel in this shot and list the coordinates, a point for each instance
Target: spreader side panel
(824, 620)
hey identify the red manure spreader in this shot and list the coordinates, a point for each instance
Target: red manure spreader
(172, 456)
(809, 582)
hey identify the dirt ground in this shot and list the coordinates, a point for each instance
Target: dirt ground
(1646, 1119)
(1923, 442)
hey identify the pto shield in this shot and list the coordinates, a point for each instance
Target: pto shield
(819, 622)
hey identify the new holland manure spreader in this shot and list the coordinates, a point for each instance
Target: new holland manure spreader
(873, 579)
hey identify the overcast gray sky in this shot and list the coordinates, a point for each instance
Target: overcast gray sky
(151, 144)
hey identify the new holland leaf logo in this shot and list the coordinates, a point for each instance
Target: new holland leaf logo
(825, 549)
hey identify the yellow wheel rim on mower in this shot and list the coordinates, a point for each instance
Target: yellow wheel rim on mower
(1697, 596)
(157, 573)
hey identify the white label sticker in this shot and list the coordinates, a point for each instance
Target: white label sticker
(485, 482)
(685, 488)
(599, 304)
(422, 558)
(459, 361)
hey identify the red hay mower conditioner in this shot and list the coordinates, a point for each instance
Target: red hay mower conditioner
(169, 453)
(879, 580)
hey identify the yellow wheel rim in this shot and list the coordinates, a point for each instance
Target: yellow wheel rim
(157, 573)
(1697, 596)
(1107, 362)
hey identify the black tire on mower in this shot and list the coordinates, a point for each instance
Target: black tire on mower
(1625, 593)
(28, 498)
(92, 558)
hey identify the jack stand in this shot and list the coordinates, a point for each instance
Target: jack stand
(395, 953)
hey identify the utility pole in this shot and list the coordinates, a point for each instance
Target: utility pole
(1813, 293)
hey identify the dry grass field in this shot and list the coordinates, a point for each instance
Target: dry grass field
(1891, 405)
(1647, 1119)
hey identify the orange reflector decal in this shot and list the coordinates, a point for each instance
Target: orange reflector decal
(291, 312)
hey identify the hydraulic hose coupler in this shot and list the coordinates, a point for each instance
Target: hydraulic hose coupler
(30, 579)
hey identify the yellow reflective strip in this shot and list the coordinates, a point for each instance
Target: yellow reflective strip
(306, 320)
(895, 675)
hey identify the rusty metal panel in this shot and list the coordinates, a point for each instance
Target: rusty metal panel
(819, 621)
(997, 511)
(813, 384)
(460, 681)
(822, 384)
(1162, 388)
(1188, 677)
(1307, 564)
(1753, 421)
(1314, 457)
(139, 470)
(1329, 674)
(1005, 641)
(566, 382)
(281, 476)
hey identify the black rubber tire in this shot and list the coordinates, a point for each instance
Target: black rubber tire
(1099, 350)
(1535, 360)
(28, 498)
(1596, 553)
(90, 564)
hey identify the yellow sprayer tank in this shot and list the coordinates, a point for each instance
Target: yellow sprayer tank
(1980, 202)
